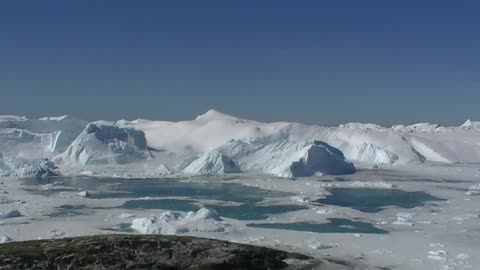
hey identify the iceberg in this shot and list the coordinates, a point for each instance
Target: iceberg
(172, 223)
(26, 168)
(101, 144)
(279, 158)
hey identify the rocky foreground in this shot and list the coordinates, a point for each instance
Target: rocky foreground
(151, 252)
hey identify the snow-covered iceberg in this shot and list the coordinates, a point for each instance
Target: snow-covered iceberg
(104, 143)
(282, 158)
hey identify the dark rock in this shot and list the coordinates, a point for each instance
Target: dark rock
(148, 252)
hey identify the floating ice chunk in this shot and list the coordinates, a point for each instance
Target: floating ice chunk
(406, 215)
(472, 193)
(474, 187)
(37, 168)
(10, 214)
(83, 193)
(379, 185)
(3, 199)
(317, 245)
(325, 211)
(4, 239)
(436, 258)
(299, 199)
(404, 219)
(436, 245)
(126, 215)
(52, 233)
(473, 190)
(437, 252)
(172, 222)
(463, 257)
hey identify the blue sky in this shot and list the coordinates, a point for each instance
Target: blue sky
(321, 62)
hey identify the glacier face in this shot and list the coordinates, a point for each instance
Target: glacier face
(281, 158)
(102, 143)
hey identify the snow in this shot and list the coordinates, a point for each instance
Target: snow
(172, 222)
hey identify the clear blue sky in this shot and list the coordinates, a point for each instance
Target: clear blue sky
(323, 62)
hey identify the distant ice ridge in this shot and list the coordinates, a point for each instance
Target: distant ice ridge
(361, 143)
(37, 138)
(105, 143)
(64, 139)
(28, 168)
(172, 222)
(280, 158)
(469, 124)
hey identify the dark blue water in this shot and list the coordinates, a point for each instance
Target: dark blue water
(370, 200)
(336, 225)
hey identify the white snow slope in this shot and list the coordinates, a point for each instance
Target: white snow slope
(123, 142)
